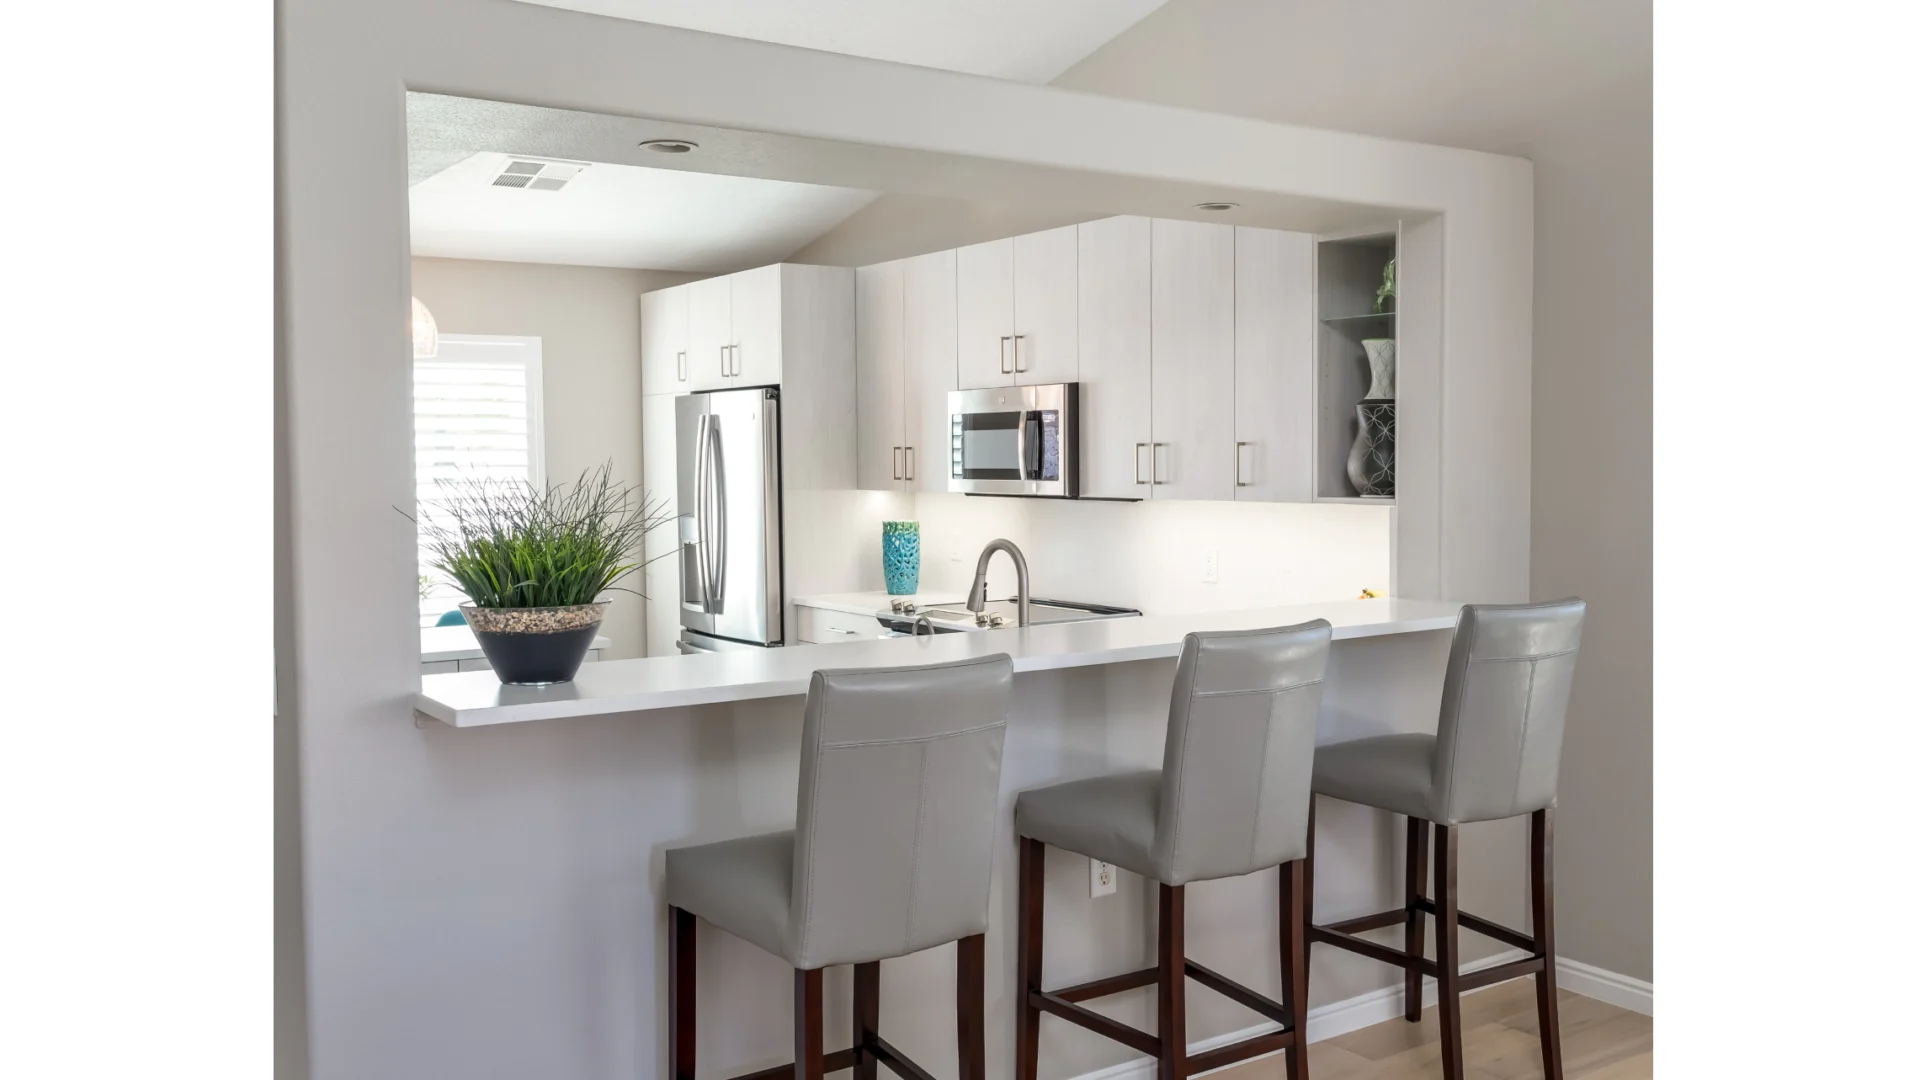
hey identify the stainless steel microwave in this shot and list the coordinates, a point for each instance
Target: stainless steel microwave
(1015, 440)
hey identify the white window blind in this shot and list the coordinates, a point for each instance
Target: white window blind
(476, 414)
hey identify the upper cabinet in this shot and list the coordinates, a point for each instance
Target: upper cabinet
(710, 332)
(1116, 364)
(1017, 310)
(1191, 456)
(1273, 365)
(663, 342)
(905, 356)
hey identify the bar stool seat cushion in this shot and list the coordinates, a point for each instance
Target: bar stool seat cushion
(1389, 772)
(743, 886)
(1110, 818)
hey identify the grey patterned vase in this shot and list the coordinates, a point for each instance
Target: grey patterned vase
(1370, 464)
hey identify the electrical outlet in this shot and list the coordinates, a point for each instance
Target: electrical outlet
(1104, 876)
(1210, 567)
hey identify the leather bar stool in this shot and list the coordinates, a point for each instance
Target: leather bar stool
(1230, 798)
(1497, 755)
(892, 853)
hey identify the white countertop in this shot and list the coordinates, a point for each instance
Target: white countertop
(876, 603)
(477, 698)
(458, 643)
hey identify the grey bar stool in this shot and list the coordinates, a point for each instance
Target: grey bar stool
(1230, 798)
(892, 854)
(1497, 755)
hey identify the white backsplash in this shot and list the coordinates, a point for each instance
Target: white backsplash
(1152, 555)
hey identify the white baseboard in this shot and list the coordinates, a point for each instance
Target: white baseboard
(1325, 1022)
(1611, 987)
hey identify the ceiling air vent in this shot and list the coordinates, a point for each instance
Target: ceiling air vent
(535, 174)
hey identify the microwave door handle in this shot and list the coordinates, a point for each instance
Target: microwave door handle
(717, 478)
(1020, 445)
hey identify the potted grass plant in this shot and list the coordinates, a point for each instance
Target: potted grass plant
(536, 565)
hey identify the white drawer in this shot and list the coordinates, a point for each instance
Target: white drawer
(821, 626)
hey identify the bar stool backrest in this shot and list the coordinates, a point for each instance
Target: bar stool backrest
(1238, 771)
(899, 795)
(1504, 710)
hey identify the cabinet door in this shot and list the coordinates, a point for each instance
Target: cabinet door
(1273, 365)
(660, 579)
(984, 298)
(1192, 455)
(663, 342)
(756, 326)
(877, 357)
(932, 342)
(1116, 365)
(1046, 306)
(709, 333)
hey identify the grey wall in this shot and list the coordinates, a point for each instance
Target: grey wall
(1570, 86)
(588, 321)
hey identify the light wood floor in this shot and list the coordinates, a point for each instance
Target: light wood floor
(1500, 1042)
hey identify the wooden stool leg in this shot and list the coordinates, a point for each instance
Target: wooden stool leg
(1306, 902)
(1033, 864)
(1446, 875)
(1173, 982)
(866, 1019)
(680, 994)
(971, 989)
(809, 1046)
(1416, 919)
(1545, 984)
(1293, 962)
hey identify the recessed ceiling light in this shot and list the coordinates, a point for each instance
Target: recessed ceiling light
(1216, 207)
(670, 146)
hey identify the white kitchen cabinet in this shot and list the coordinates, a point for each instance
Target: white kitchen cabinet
(1018, 310)
(709, 332)
(664, 364)
(1274, 365)
(1191, 456)
(879, 358)
(1116, 357)
(757, 326)
(1046, 307)
(930, 368)
(983, 295)
(659, 471)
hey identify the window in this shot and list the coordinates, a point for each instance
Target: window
(476, 413)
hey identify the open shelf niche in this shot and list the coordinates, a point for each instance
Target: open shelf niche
(1349, 270)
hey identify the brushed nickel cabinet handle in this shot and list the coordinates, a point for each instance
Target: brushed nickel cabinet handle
(1017, 339)
(1004, 369)
(909, 462)
(680, 365)
(1156, 462)
(896, 463)
(1237, 447)
(1137, 447)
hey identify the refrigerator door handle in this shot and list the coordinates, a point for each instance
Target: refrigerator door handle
(700, 541)
(717, 480)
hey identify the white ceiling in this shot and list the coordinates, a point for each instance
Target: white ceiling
(1025, 40)
(623, 215)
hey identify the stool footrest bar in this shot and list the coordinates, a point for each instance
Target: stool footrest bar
(1474, 980)
(1371, 950)
(1235, 1052)
(1099, 988)
(1238, 994)
(1093, 1021)
(895, 1060)
(1360, 925)
(1485, 927)
(834, 1062)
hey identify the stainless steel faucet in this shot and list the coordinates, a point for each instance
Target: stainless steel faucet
(977, 596)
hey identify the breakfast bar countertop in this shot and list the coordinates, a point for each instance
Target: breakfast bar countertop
(478, 699)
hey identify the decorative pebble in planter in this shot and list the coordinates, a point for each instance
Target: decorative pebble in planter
(535, 646)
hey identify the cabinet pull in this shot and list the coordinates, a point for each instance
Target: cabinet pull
(896, 463)
(909, 462)
(1155, 463)
(1017, 339)
(1137, 447)
(680, 365)
(1004, 369)
(733, 359)
(1237, 447)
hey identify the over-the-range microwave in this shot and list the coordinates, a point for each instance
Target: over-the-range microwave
(1016, 440)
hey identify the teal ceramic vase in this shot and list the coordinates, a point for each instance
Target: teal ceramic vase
(900, 554)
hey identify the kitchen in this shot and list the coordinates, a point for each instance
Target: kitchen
(1184, 381)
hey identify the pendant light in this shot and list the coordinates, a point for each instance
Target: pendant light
(426, 333)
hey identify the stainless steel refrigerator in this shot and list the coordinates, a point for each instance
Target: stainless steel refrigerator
(728, 444)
